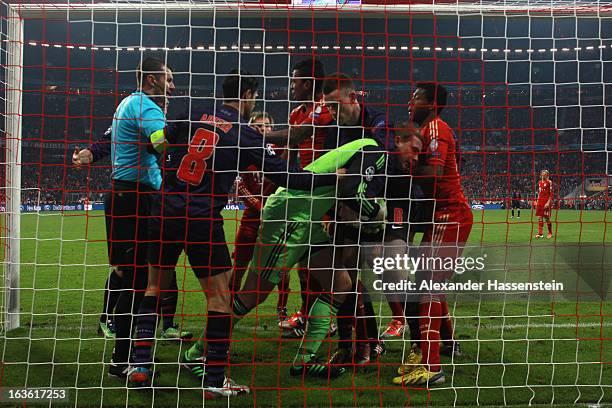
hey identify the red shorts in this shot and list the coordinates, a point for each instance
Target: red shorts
(247, 236)
(447, 236)
(542, 212)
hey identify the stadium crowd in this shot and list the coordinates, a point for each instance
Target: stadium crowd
(493, 163)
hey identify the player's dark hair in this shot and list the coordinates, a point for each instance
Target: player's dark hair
(150, 66)
(337, 80)
(311, 68)
(436, 94)
(237, 83)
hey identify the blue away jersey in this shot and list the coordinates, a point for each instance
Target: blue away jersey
(208, 147)
(137, 117)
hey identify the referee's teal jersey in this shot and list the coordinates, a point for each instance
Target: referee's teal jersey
(136, 119)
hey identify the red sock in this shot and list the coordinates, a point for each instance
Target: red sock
(549, 225)
(429, 321)
(446, 330)
(397, 309)
(540, 226)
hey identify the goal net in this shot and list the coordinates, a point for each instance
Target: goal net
(528, 87)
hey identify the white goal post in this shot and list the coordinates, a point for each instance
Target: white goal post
(15, 42)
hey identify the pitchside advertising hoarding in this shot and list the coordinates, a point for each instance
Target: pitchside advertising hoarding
(89, 207)
(596, 184)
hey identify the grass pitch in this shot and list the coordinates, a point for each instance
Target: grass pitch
(516, 351)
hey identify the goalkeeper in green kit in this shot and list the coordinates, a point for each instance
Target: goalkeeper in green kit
(292, 231)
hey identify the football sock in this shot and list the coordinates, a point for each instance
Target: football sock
(169, 301)
(146, 322)
(218, 329)
(540, 226)
(197, 349)
(430, 312)
(320, 316)
(346, 319)
(133, 285)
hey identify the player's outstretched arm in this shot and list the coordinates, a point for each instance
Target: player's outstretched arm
(290, 136)
(96, 151)
(280, 173)
(277, 169)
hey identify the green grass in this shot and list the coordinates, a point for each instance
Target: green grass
(515, 352)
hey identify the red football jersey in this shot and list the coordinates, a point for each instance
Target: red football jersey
(544, 191)
(254, 188)
(311, 148)
(440, 150)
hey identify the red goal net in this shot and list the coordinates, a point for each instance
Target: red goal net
(526, 89)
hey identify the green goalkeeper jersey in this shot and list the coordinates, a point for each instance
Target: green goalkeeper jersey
(291, 227)
(302, 205)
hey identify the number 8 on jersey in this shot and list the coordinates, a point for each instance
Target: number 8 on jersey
(193, 165)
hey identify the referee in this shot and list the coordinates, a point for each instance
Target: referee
(137, 139)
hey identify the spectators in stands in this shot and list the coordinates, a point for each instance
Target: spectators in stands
(492, 163)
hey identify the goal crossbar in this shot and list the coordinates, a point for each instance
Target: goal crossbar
(83, 10)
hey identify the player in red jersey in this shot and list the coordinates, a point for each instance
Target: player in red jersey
(452, 223)
(307, 89)
(544, 204)
(253, 189)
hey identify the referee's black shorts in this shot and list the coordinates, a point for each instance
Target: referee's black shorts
(516, 204)
(127, 210)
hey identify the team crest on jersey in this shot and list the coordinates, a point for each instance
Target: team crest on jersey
(270, 149)
(369, 173)
(433, 145)
(317, 111)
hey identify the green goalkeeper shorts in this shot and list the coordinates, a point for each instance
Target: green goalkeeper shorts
(282, 245)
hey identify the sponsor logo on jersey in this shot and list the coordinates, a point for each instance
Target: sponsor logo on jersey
(270, 149)
(433, 145)
(369, 173)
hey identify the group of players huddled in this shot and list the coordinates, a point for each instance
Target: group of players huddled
(339, 179)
